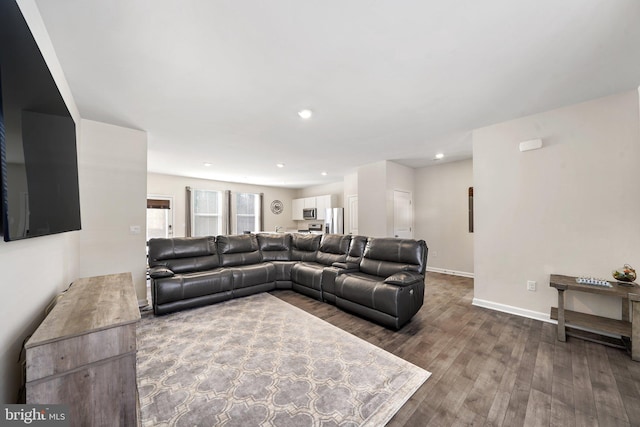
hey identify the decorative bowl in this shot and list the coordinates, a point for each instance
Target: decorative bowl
(625, 274)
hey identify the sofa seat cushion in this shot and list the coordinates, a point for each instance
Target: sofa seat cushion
(370, 291)
(283, 270)
(251, 275)
(191, 285)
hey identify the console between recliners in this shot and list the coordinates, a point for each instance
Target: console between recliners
(381, 279)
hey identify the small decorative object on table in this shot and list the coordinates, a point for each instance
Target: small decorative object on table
(593, 281)
(625, 274)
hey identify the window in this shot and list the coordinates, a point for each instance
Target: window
(207, 213)
(247, 214)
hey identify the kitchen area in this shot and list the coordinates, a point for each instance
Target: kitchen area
(318, 215)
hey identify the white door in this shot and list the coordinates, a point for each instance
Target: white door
(352, 203)
(402, 214)
(159, 216)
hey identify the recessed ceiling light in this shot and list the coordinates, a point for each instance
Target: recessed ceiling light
(439, 156)
(207, 164)
(305, 114)
(323, 173)
(280, 165)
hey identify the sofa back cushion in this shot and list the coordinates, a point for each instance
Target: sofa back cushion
(184, 254)
(333, 248)
(275, 247)
(240, 249)
(356, 249)
(387, 256)
(304, 246)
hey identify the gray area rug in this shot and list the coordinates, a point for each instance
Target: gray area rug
(259, 361)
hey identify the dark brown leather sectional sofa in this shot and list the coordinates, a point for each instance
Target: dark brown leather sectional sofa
(381, 279)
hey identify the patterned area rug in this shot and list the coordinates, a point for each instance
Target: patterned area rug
(258, 361)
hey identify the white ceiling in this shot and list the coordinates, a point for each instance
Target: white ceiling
(222, 81)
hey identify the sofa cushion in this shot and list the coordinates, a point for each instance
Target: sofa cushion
(275, 247)
(304, 246)
(283, 272)
(333, 248)
(386, 256)
(241, 249)
(356, 249)
(184, 254)
(251, 275)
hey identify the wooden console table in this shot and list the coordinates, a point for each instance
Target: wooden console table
(84, 353)
(628, 327)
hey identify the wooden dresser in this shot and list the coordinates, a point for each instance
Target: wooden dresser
(84, 353)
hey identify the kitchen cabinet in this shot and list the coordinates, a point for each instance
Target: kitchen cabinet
(320, 203)
(323, 203)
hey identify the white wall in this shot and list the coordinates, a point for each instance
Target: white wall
(372, 208)
(441, 219)
(33, 270)
(375, 185)
(336, 188)
(113, 189)
(568, 208)
(170, 185)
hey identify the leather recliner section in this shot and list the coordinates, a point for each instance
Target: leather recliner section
(307, 276)
(389, 285)
(276, 249)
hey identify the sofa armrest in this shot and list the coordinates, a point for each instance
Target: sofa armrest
(346, 267)
(404, 278)
(160, 272)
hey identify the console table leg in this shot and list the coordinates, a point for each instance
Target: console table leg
(625, 309)
(561, 331)
(635, 327)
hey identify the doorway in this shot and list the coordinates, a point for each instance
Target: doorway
(159, 217)
(352, 222)
(402, 214)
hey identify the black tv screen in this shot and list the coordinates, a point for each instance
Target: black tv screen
(39, 166)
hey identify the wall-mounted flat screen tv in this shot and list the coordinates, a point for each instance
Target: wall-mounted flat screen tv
(39, 166)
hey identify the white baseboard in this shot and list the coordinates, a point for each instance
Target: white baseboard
(143, 302)
(451, 272)
(545, 317)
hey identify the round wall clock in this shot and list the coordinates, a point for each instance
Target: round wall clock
(277, 207)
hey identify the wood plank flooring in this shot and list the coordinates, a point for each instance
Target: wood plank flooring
(496, 369)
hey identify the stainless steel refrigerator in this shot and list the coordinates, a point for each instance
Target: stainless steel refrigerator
(334, 221)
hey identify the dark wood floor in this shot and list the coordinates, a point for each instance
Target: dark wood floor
(496, 369)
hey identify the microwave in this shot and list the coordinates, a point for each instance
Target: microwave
(309, 213)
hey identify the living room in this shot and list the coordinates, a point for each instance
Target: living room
(566, 208)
